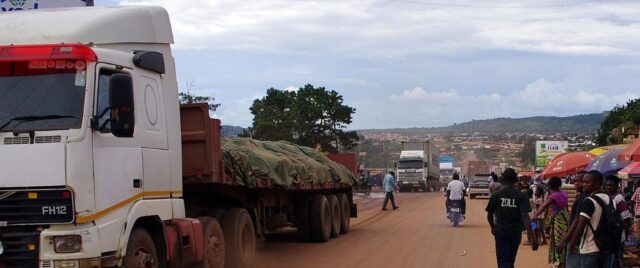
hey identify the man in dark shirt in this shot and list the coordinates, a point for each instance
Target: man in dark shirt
(511, 210)
(572, 256)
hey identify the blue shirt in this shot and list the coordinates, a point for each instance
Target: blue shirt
(389, 183)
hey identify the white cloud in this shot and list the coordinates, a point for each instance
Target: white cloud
(388, 29)
(470, 59)
(419, 94)
(419, 108)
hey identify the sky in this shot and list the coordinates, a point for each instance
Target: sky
(411, 63)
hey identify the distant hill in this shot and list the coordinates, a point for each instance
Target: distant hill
(538, 124)
(231, 131)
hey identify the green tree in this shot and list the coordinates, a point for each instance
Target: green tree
(310, 116)
(621, 117)
(186, 97)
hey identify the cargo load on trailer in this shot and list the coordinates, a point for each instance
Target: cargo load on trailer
(247, 160)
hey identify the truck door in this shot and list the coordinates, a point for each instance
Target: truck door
(118, 172)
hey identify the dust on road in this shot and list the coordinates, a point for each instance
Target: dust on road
(416, 235)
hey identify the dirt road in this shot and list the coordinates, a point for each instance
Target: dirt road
(416, 235)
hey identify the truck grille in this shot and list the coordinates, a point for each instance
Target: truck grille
(410, 176)
(21, 247)
(33, 207)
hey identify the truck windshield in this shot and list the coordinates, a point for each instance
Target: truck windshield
(52, 91)
(414, 164)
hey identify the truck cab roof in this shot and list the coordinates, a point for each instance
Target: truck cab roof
(100, 25)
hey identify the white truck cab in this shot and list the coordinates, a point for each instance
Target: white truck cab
(76, 84)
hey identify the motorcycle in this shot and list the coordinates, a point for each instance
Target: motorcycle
(454, 212)
(363, 187)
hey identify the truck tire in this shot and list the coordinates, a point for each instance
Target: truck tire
(336, 218)
(345, 213)
(302, 220)
(216, 213)
(239, 238)
(214, 243)
(320, 219)
(141, 251)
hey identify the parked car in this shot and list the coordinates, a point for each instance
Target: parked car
(478, 186)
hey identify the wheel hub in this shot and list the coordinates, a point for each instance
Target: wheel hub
(144, 260)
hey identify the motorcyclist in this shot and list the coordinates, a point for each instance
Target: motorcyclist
(456, 192)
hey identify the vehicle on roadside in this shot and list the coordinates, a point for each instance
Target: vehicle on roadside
(454, 212)
(101, 167)
(478, 186)
(363, 186)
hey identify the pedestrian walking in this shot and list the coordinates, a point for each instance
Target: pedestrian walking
(611, 187)
(572, 260)
(494, 184)
(389, 186)
(584, 237)
(511, 210)
(538, 201)
(558, 201)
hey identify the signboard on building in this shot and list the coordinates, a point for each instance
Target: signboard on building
(547, 150)
(18, 5)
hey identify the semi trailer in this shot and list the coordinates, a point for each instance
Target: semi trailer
(101, 167)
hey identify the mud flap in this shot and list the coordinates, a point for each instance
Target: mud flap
(354, 211)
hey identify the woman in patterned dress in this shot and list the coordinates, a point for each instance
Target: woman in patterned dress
(559, 202)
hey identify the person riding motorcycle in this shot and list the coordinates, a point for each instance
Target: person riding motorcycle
(455, 193)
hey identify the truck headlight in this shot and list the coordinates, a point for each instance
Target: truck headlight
(67, 243)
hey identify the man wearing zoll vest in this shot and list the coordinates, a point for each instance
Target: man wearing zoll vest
(508, 215)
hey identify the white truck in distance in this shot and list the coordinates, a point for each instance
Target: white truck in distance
(419, 166)
(411, 171)
(101, 167)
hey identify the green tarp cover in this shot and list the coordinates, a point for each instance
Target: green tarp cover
(283, 162)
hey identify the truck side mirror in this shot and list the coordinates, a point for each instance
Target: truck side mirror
(121, 104)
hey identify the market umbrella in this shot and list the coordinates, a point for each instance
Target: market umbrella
(567, 164)
(632, 153)
(598, 151)
(608, 163)
(629, 171)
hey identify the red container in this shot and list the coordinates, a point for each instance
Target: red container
(346, 159)
(201, 153)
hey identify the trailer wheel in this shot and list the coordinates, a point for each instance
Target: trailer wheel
(214, 243)
(239, 238)
(320, 219)
(345, 213)
(302, 220)
(216, 213)
(141, 251)
(336, 219)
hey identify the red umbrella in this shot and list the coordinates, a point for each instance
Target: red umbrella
(632, 153)
(629, 171)
(567, 164)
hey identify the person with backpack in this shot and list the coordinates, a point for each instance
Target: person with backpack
(558, 201)
(599, 228)
(611, 184)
